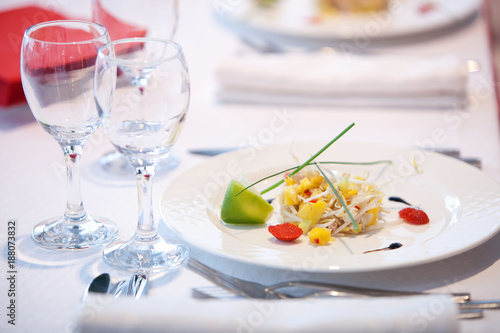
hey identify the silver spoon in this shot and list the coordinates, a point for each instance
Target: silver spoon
(102, 285)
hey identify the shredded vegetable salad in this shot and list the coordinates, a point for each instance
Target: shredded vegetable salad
(308, 201)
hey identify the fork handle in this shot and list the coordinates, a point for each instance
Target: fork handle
(345, 290)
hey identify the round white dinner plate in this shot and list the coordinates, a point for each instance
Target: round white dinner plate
(461, 202)
(297, 22)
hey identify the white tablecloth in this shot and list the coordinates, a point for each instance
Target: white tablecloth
(49, 285)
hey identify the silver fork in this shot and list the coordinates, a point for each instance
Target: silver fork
(213, 292)
(138, 285)
(216, 292)
(257, 290)
(468, 309)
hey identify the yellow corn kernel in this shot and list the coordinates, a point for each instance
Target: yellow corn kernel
(352, 229)
(312, 211)
(351, 191)
(305, 184)
(315, 191)
(316, 180)
(374, 212)
(290, 195)
(320, 236)
(326, 8)
(360, 228)
(344, 184)
(290, 181)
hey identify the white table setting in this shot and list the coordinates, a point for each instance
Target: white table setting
(252, 89)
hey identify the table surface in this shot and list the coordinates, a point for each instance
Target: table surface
(49, 284)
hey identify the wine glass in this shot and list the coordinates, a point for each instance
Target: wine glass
(141, 88)
(127, 19)
(137, 18)
(57, 67)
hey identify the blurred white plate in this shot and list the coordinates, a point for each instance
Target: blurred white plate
(296, 21)
(461, 201)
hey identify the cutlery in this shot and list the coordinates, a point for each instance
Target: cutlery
(136, 286)
(255, 290)
(102, 285)
(216, 292)
(213, 292)
(468, 309)
(211, 152)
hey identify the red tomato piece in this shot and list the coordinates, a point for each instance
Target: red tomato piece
(426, 7)
(414, 216)
(285, 232)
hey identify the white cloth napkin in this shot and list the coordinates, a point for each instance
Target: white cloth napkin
(337, 79)
(397, 314)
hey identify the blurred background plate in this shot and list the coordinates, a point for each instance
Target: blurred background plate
(301, 22)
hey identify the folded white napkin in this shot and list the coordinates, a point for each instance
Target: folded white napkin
(336, 79)
(397, 314)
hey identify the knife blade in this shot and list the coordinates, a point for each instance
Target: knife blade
(210, 151)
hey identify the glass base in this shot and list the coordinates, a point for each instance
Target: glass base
(154, 255)
(62, 234)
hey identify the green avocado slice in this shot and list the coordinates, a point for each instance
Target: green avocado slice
(246, 208)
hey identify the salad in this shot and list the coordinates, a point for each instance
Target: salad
(314, 201)
(308, 200)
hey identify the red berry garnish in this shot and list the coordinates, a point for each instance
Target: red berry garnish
(426, 7)
(285, 232)
(414, 216)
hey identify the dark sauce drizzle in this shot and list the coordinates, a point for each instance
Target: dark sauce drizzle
(398, 199)
(393, 246)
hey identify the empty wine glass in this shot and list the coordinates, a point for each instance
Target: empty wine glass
(127, 19)
(142, 90)
(57, 66)
(137, 18)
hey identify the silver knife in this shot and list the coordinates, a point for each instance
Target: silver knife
(211, 152)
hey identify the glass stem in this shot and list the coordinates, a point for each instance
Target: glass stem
(75, 211)
(146, 228)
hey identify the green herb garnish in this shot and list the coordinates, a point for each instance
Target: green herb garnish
(328, 162)
(309, 160)
(338, 198)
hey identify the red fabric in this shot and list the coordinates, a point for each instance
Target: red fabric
(13, 23)
(70, 57)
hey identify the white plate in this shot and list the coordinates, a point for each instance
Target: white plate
(461, 201)
(292, 21)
